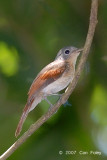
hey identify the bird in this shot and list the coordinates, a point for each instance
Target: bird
(53, 78)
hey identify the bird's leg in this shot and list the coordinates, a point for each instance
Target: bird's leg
(51, 105)
(51, 94)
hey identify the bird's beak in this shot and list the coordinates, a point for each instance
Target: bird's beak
(79, 50)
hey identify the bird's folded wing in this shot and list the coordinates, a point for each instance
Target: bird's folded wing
(48, 75)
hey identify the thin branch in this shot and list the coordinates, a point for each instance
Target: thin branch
(65, 96)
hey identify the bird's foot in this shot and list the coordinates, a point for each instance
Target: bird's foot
(67, 104)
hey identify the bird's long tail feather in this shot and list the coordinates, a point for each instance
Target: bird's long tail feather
(22, 119)
(28, 107)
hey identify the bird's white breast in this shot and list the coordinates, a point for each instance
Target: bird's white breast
(58, 85)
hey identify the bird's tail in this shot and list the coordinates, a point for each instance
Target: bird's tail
(22, 119)
(28, 107)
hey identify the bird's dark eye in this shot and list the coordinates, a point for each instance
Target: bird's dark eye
(67, 51)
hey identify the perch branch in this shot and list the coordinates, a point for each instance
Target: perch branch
(65, 96)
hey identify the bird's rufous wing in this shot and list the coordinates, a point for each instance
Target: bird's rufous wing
(48, 75)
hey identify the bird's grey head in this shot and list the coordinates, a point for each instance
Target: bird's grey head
(67, 53)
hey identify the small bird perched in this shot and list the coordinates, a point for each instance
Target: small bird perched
(53, 78)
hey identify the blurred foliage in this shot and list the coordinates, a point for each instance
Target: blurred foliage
(31, 33)
(8, 60)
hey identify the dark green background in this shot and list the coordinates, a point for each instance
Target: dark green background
(31, 34)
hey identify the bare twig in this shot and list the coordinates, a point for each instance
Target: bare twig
(65, 96)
